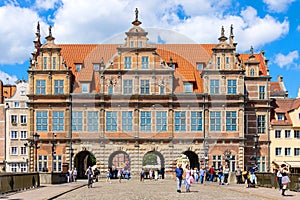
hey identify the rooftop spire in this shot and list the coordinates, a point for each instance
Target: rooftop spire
(231, 30)
(50, 31)
(136, 22)
(222, 38)
(251, 52)
(222, 31)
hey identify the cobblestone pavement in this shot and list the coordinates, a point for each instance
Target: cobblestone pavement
(166, 189)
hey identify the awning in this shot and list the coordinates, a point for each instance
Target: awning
(294, 164)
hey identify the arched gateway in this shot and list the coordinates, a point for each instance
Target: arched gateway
(82, 160)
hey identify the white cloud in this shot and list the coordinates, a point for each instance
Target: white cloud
(298, 28)
(7, 79)
(17, 34)
(46, 4)
(286, 60)
(278, 5)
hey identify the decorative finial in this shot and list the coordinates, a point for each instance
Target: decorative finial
(231, 30)
(136, 14)
(38, 27)
(251, 50)
(50, 31)
(222, 31)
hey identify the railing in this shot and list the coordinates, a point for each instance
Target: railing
(10, 182)
(269, 180)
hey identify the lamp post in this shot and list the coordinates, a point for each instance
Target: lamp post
(36, 137)
(255, 139)
(53, 150)
(227, 154)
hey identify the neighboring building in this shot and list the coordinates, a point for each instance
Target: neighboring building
(16, 117)
(278, 89)
(6, 91)
(112, 104)
(285, 133)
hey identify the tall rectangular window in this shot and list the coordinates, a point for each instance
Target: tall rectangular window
(58, 86)
(145, 121)
(58, 122)
(287, 151)
(231, 86)
(92, 124)
(23, 167)
(40, 86)
(287, 133)
(57, 163)
(230, 120)
(162, 89)
(127, 121)
(214, 86)
(85, 88)
(161, 121)
(111, 122)
(23, 134)
(42, 120)
(42, 162)
(77, 120)
(297, 134)
(110, 89)
(13, 151)
(296, 151)
(53, 62)
(262, 92)
(145, 87)
(227, 62)
(13, 167)
(188, 87)
(215, 120)
(145, 63)
(23, 150)
(45, 62)
(261, 124)
(13, 134)
(217, 161)
(196, 121)
(23, 119)
(277, 133)
(218, 63)
(180, 121)
(127, 62)
(278, 151)
(14, 119)
(127, 86)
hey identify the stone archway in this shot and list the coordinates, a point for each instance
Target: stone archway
(157, 160)
(119, 159)
(193, 158)
(82, 160)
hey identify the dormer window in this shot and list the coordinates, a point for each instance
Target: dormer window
(78, 67)
(200, 66)
(188, 87)
(280, 117)
(96, 67)
(45, 63)
(22, 92)
(251, 72)
(85, 87)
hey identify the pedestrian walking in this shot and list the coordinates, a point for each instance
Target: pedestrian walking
(285, 178)
(108, 175)
(75, 174)
(226, 174)
(142, 175)
(188, 179)
(70, 172)
(202, 174)
(279, 178)
(96, 174)
(211, 172)
(221, 175)
(120, 171)
(89, 174)
(178, 175)
(196, 174)
(156, 174)
(238, 175)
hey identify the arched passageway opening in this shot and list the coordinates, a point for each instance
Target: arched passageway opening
(82, 160)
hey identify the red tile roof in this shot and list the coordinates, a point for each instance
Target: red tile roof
(283, 106)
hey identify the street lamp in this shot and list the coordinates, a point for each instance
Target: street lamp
(255, 139)
(53, 150)
(36, 137)
(227, 154)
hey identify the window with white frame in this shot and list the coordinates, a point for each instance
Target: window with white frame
(277, 133)
(40, 86)
(13, 134)
(231, 86)
(78, 67)
(42, 162)
(16, 104)
(162, 89)
(188, 87)
(127, 120)
(252, 72)
(58, 86)
(13, 151)
(23, 150)
(58, 121)
(287, 151)
(200, 66)
(278, 151)
(261, 163)
(217, 161)
(23, 134)
(297, 134)
(53, 62)
(218, 63)
(92, 124)
(45, 62)
(287, 133)
(111, 122)
(296, 151)
(280, 117)
(215, 120)
(262, 92)
(145, 62)
(85, 87)
(57, 163)
(77, 120)
(145, 87)
(110, 89)
(14, 119)
(196, 121)
(145, 121)
(13, 167)
(231, 120)
(214, 86)
(261, 124)
(227, 61)
(127, 86)
(96, 66)
(23, 167)
(23, 119)
(180, 121)
(161, 121)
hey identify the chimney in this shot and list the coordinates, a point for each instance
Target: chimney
(280, 78)
(298, 92)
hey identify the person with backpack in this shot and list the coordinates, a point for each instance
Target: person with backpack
(89, 173)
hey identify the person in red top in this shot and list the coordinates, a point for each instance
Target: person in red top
(211, 172)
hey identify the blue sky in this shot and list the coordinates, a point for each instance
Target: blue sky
(269, 25)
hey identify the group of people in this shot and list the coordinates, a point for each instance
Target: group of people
(72, 175)
(92, 175)
(185, 176)
(151, 174)
(282, 178)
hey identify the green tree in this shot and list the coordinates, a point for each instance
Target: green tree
(150, 159)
